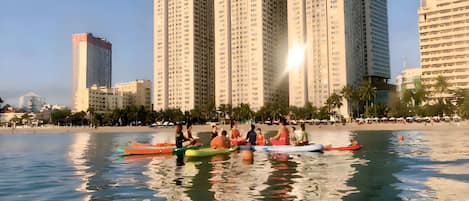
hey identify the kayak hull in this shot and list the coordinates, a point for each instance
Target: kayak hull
(205, 152)
(348, 148)
(287, 148)
(156, 150)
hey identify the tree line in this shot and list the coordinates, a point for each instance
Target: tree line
(361, 100)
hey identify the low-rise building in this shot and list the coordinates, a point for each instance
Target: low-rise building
(104, 99)
(408, 79)
(100, 99)
(137, 92)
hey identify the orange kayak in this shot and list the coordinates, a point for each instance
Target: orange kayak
(151, 146)
(348, 148)
(144, 151)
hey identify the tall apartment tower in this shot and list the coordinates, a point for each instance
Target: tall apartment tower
(341, 43)
(250, 52)
(444, 42)
(91, 65)
(183, 54)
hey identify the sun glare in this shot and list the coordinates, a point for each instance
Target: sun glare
(295, 58)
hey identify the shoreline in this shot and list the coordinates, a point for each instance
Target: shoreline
(244, 127)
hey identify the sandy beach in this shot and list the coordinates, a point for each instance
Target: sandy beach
(266, 128)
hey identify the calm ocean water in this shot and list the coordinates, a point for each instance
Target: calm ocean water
(424, 166)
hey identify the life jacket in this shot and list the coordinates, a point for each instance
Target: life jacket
(260, 140)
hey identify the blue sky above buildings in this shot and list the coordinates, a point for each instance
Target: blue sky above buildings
(35, 41)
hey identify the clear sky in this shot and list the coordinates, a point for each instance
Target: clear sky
(35, 41)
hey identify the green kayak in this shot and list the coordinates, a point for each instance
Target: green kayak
(156, 150)
(203, 152)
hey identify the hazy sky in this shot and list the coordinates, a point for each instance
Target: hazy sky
(35, 41)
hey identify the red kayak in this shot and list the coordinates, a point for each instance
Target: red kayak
(151, 146)
(348, 148)
(154, 150)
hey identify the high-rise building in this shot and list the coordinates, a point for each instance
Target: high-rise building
(334, 43)
(444, 43)
(408, 79)
(376, 37)
(250, 52)
(136, 93)
(183, 54)
(31, 102)
(91, 65)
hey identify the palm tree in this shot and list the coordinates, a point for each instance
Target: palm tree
(348, 93)
(367, 93)
(441, 87)
(420, 95)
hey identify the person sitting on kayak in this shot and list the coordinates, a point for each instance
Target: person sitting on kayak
(302, 136)
(282, 137)
(293, 139)
(193, 141)
(214, 131)
(354, 143)
(235, 135)
(260, 140)
(251, 137)
(181, 140)
(220, 142)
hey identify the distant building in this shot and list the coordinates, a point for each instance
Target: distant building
(100, 99)
(105, 99)
(183, 54)
(408, 79)
(49, 107)
(250, 52)
(444, 43)
(31, 102)
(91, 65)
(342, 41)
(135, 93)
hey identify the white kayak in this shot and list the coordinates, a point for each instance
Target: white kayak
(287, 148)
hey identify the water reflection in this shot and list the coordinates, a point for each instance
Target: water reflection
(76, 155)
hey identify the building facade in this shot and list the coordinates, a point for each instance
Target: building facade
(100, 99)
(444, 43)
(31, 102)
(91, 65)
(250, 52)
(341, 42)
(136, 93)
(183, 54)
(408, 79)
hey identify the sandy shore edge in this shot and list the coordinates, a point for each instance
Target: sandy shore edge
(265, 128)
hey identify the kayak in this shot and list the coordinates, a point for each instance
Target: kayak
(348, 148)
(140, 145)
(144, 151)
(287, 148)
(155, 150)
(204, 152)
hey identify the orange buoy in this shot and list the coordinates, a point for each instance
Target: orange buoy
(401, 138)
(247, 155)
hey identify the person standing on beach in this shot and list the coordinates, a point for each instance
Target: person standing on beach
(251, 136)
